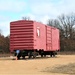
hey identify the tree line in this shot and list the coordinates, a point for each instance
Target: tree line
(4, 44)
(66, 25)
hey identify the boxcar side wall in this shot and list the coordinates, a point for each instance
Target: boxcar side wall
(55, 39)
(39, 36)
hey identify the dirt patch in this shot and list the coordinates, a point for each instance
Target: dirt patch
(38, 66)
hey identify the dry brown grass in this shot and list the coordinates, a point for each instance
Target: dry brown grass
(64, 69)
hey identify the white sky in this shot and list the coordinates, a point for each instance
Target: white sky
(40, 10)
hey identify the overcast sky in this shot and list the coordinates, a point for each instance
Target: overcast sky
(39, 10)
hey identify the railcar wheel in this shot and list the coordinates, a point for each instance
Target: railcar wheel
(44, 55)
(51, 53)
(23, 57)
(29, 55)
(34, 54)
(41, 55)
(18, 57)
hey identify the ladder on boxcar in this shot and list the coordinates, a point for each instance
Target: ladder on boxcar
(48, 38)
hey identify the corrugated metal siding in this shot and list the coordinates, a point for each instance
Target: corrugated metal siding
(48, 38)
(55, 39)
(21, 35)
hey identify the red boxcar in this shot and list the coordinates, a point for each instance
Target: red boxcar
(32, 38)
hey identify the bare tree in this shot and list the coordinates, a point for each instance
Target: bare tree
(67, 22)
(0, 32)
(4, 44)
(54, 23)
(26, 18)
